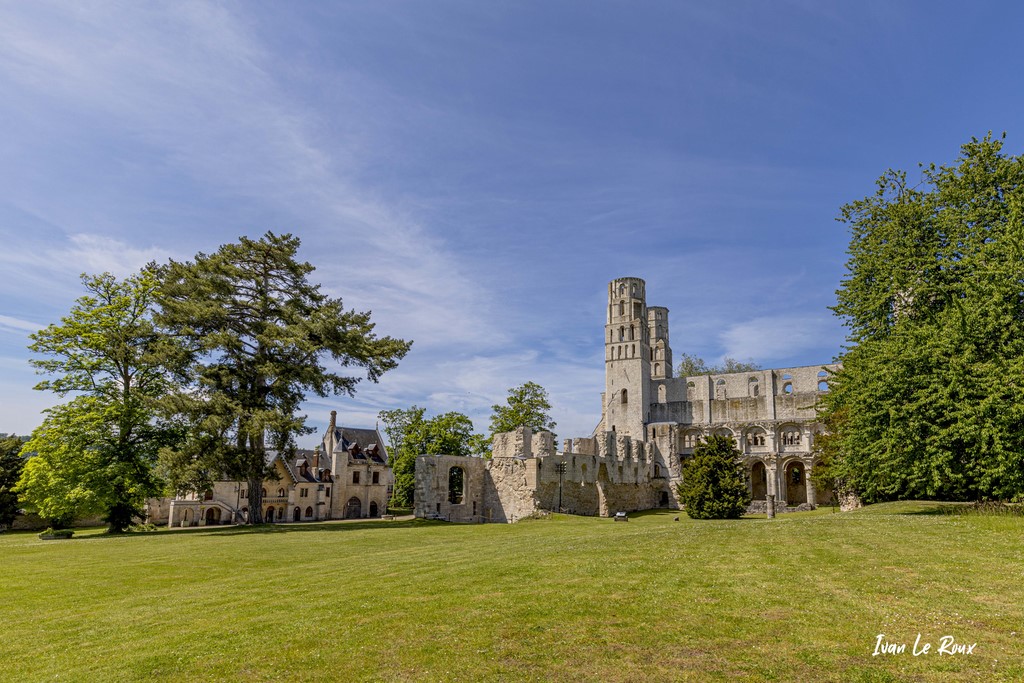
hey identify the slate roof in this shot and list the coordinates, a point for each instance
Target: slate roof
(365, 439)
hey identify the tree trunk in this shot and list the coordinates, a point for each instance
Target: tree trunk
(255, 501)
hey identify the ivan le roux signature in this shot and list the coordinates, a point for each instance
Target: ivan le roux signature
(947, 646)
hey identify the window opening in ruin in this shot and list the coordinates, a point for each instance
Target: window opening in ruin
(822, 386)
(787, 388)
(796, 475)
(625, 396)
(355, 477)
(822, 374)
(456, 485)
(787, 376)
(634, 351)
(376, 477)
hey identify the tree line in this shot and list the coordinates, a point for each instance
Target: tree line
(184, 373)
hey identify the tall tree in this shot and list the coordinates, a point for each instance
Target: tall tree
(259, 334)
(11, 464)
(928, 400)
(526, 405)
(95, 454)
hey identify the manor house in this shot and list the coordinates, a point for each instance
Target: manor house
(650, 423)
(348, 476)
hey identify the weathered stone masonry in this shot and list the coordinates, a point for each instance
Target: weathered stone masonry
(650, 423)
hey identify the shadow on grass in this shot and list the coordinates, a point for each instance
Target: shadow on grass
(241, 530)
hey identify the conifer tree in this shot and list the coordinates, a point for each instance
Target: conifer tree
(713, 485)
(929, 402)
(259, 336)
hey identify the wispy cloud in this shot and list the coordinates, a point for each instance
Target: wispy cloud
(10, 323)
(768, 338)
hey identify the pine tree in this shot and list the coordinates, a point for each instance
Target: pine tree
(258, 333)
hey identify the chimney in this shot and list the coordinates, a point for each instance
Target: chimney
(316, 458)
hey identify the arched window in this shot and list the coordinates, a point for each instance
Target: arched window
(280, 493)
(822, 374)
(354, 508)
(296, 515)
(309, 511)
(622, 306)
(625, 396)
(264, 493)
(720, 389)
(822, 386)
(632, 333)
(622, 334)
(456, 485)
(787, 388)
(657, 368)
(661, 393)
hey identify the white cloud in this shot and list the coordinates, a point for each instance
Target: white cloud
(779, 336)
(11, 323)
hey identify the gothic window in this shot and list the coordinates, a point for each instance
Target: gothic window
(632, 333)
(280, 493)
(309, 512)
(622, 334)
(657, 368)
(625, 397)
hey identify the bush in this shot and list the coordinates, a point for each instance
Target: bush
(56, 533)
(713, 485)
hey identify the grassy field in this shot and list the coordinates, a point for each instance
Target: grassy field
(798, 598)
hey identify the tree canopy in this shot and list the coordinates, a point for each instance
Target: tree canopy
(713, 484)
(691, 365)
(411, 434)
(258, 336)
(928, 402)
(526, 405)
(94, 454)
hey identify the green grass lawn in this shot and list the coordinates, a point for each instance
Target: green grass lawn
(798, 598)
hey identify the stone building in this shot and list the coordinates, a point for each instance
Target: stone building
(347, 476)
(650, 423)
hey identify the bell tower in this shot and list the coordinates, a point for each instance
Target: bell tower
(627, 374)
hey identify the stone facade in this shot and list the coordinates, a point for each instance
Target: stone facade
(650, 423)
(347, 477)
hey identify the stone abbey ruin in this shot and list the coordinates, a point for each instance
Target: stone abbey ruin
(650, 423)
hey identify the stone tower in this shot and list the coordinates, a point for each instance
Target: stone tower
(627, 375)
(661, 352)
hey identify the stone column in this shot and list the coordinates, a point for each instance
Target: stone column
(812, 495)
(770, 505)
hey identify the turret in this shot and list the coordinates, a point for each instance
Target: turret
(661, 352)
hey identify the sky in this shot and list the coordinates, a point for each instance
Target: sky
(474, 173)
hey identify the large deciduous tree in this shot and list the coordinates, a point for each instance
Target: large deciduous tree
(95, 454)
(260, 336)
(526, 405)
(928, 402)
(411, 434)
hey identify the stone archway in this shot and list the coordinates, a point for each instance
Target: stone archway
(758, 481)
(213, 515)
(796, 483)
(269, 517)
(354, 508)
(374, 510)
(296, 515)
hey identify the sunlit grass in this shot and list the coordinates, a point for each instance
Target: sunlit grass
(801, 597)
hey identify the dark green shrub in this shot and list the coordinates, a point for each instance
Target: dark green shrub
(713, 485)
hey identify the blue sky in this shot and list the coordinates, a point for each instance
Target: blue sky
(475, 172)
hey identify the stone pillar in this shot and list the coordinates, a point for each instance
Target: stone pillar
(812, 495)
(771, 467)
(770, 505)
